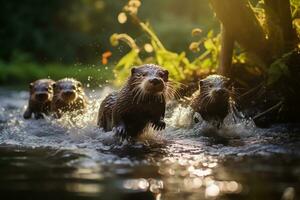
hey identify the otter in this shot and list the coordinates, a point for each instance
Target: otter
(139, 103)
(68, 96)
(212, 100)
(41, 93)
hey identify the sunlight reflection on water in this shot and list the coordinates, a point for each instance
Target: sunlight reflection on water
(183, 159)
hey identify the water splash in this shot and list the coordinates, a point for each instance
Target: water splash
(81, 131)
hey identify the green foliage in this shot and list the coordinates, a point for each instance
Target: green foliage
(295, 7)
(71, 31)
(211, 45)
(180, 67)
(279, 70)
(296, 14)
(66, 31)
(178, 64)
(122, 69)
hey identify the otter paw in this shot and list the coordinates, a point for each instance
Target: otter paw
(120, 130)
(27, 114)
(38, 116)
(159, 125)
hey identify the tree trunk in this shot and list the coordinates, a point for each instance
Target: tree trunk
(241, 25)
(238, 18)
(227, 45)
(281, 33)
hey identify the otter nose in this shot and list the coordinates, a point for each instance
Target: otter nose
(155, 81)
(41, 96)
(69, 94)
(220, 91)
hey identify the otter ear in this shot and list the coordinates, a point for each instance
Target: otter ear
(133, 70)
(79, 84)
(201, 83)
(229, 81)
(31, 86)
(166, 73)
(53, 85)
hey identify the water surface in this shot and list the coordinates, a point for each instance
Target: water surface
(73, 159)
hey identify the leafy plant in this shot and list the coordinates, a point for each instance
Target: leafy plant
(180, 67)
(279, 69)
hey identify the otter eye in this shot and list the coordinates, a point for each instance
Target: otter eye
(161, 74)
(73, 87)
(79, 84)
(144, 74)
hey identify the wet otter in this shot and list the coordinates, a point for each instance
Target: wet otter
(140, 102)
(41, 93)
(68, 96)
(212, 100)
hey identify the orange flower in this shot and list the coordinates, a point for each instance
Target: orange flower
(105, 57)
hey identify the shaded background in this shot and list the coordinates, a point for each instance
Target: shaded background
(39, 38)
(79, 30)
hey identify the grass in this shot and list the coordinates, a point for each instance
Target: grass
(19, 74)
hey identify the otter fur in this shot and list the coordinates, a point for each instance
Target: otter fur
(41, 93)
(140, 102)
(68, 96)
(212, 100)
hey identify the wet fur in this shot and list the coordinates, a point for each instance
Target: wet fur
(35, 107)
(60, 106)
(212, 108)
(129, 111)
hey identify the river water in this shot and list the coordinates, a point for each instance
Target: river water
(73, 159)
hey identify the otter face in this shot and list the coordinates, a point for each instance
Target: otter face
(150, 79)
(67, 89)
(41, 90)
(216, 87)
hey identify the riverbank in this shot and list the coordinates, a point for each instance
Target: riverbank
(19, 74)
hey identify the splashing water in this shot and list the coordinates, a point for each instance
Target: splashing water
(72, 158)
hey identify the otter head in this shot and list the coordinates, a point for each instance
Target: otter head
(41, 90)
(67, 89)
(150, 79)
(215, 87)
